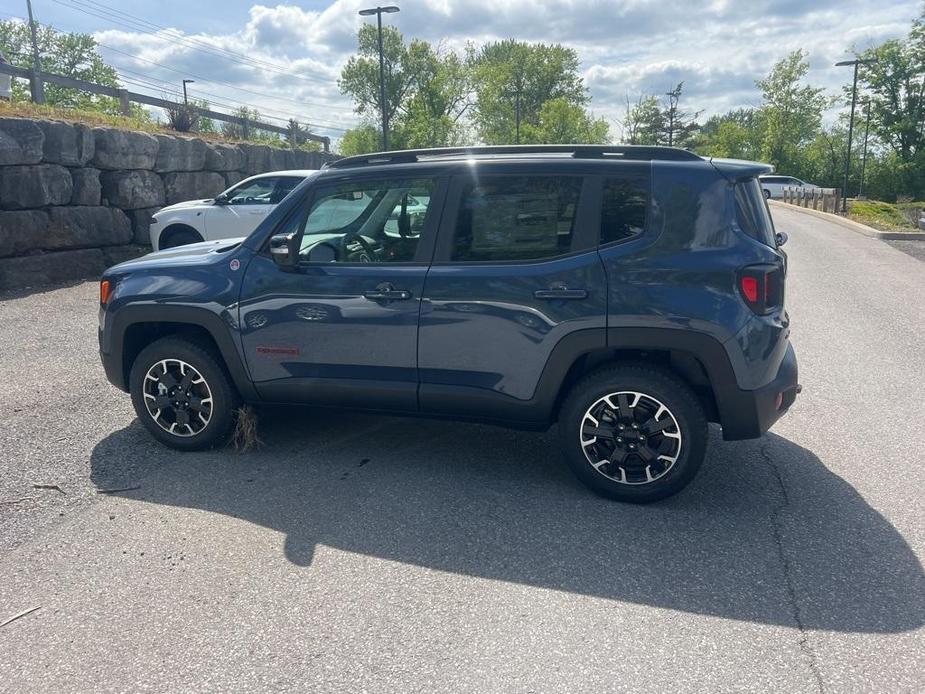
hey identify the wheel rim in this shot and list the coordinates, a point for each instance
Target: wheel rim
(177, 397)
(630, 438)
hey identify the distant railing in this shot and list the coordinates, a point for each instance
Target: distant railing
(822, 199)
(125, 98)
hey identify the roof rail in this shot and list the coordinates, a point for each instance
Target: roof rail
(629, 152)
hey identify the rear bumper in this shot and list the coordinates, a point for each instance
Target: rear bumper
(755, 411)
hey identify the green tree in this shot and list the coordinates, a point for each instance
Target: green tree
(680, 126)
(561, 122)
(360, 76)
(205, 124)
(360, 140)
(253, 132)
(71, 55)
(643, 122)
(737, 134)
(792, 112)
(507, 72)
(427, 89)
(438, 99)
(894, 79)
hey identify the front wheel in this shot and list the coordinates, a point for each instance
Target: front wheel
(179, 236)
(633, 433)
(182, 394)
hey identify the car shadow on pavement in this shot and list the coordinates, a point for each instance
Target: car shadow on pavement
(766, 533)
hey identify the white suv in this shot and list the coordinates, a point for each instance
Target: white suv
(773, 186)
(232, 214)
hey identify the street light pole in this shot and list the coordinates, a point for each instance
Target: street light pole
(38, 87)
(186, 82)
(672, 106)
(864, 156)
(378, 11)
(854, 98)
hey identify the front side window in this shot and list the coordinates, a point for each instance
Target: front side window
(256, 192)
(503, 218)
(623, 208)
(365, 222)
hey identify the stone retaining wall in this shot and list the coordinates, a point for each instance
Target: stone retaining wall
(75, 200)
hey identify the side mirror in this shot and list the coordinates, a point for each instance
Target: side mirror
(781, 238)
(284, 250)
(220, 199)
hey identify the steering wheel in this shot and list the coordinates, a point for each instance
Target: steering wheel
(367, 255)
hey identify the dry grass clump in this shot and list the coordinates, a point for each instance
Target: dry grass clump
(245, 431)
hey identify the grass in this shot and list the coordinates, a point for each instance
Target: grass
(26, 109)
(886, 216)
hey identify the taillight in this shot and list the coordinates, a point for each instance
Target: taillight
(105, 291)
(762, 287)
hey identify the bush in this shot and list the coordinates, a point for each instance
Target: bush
(886, 215)
(182, 117)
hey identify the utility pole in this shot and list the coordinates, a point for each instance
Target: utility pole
(854, 99)
(864, 156)
(378, 11)
(38, 87)
(186, 82)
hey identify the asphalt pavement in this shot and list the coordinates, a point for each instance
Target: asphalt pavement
(354, 553)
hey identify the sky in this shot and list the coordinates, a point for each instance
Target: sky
(284, 59)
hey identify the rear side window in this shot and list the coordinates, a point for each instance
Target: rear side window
(752, 213)
(516, 218)
(623, 208)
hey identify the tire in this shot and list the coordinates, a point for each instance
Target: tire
(214, 400)
(646, 471)
(179, 236)
(767, 194)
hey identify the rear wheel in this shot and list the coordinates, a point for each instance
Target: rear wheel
(767, 194)
(633, 433)
(182, 394)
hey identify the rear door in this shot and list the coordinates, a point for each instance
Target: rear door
(515, 270)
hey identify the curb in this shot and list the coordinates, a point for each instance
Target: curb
(856, 227)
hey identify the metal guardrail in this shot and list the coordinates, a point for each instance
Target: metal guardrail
(125, 97)
(822, 199)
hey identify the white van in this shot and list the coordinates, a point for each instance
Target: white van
(773, 186)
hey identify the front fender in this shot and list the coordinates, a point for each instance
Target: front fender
(218, 322)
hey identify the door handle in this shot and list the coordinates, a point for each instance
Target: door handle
(386, 292)
(561, 293)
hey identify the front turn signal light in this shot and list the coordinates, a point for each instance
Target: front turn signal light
(105, 291)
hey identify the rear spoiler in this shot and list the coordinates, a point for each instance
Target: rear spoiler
(740, 169)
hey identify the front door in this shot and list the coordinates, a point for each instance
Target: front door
(341, 329)
(516, 270)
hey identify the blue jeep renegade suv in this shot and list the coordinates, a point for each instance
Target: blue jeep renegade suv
(629, 294)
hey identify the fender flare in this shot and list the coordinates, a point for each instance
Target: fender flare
(218, 326)
(737, 412)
